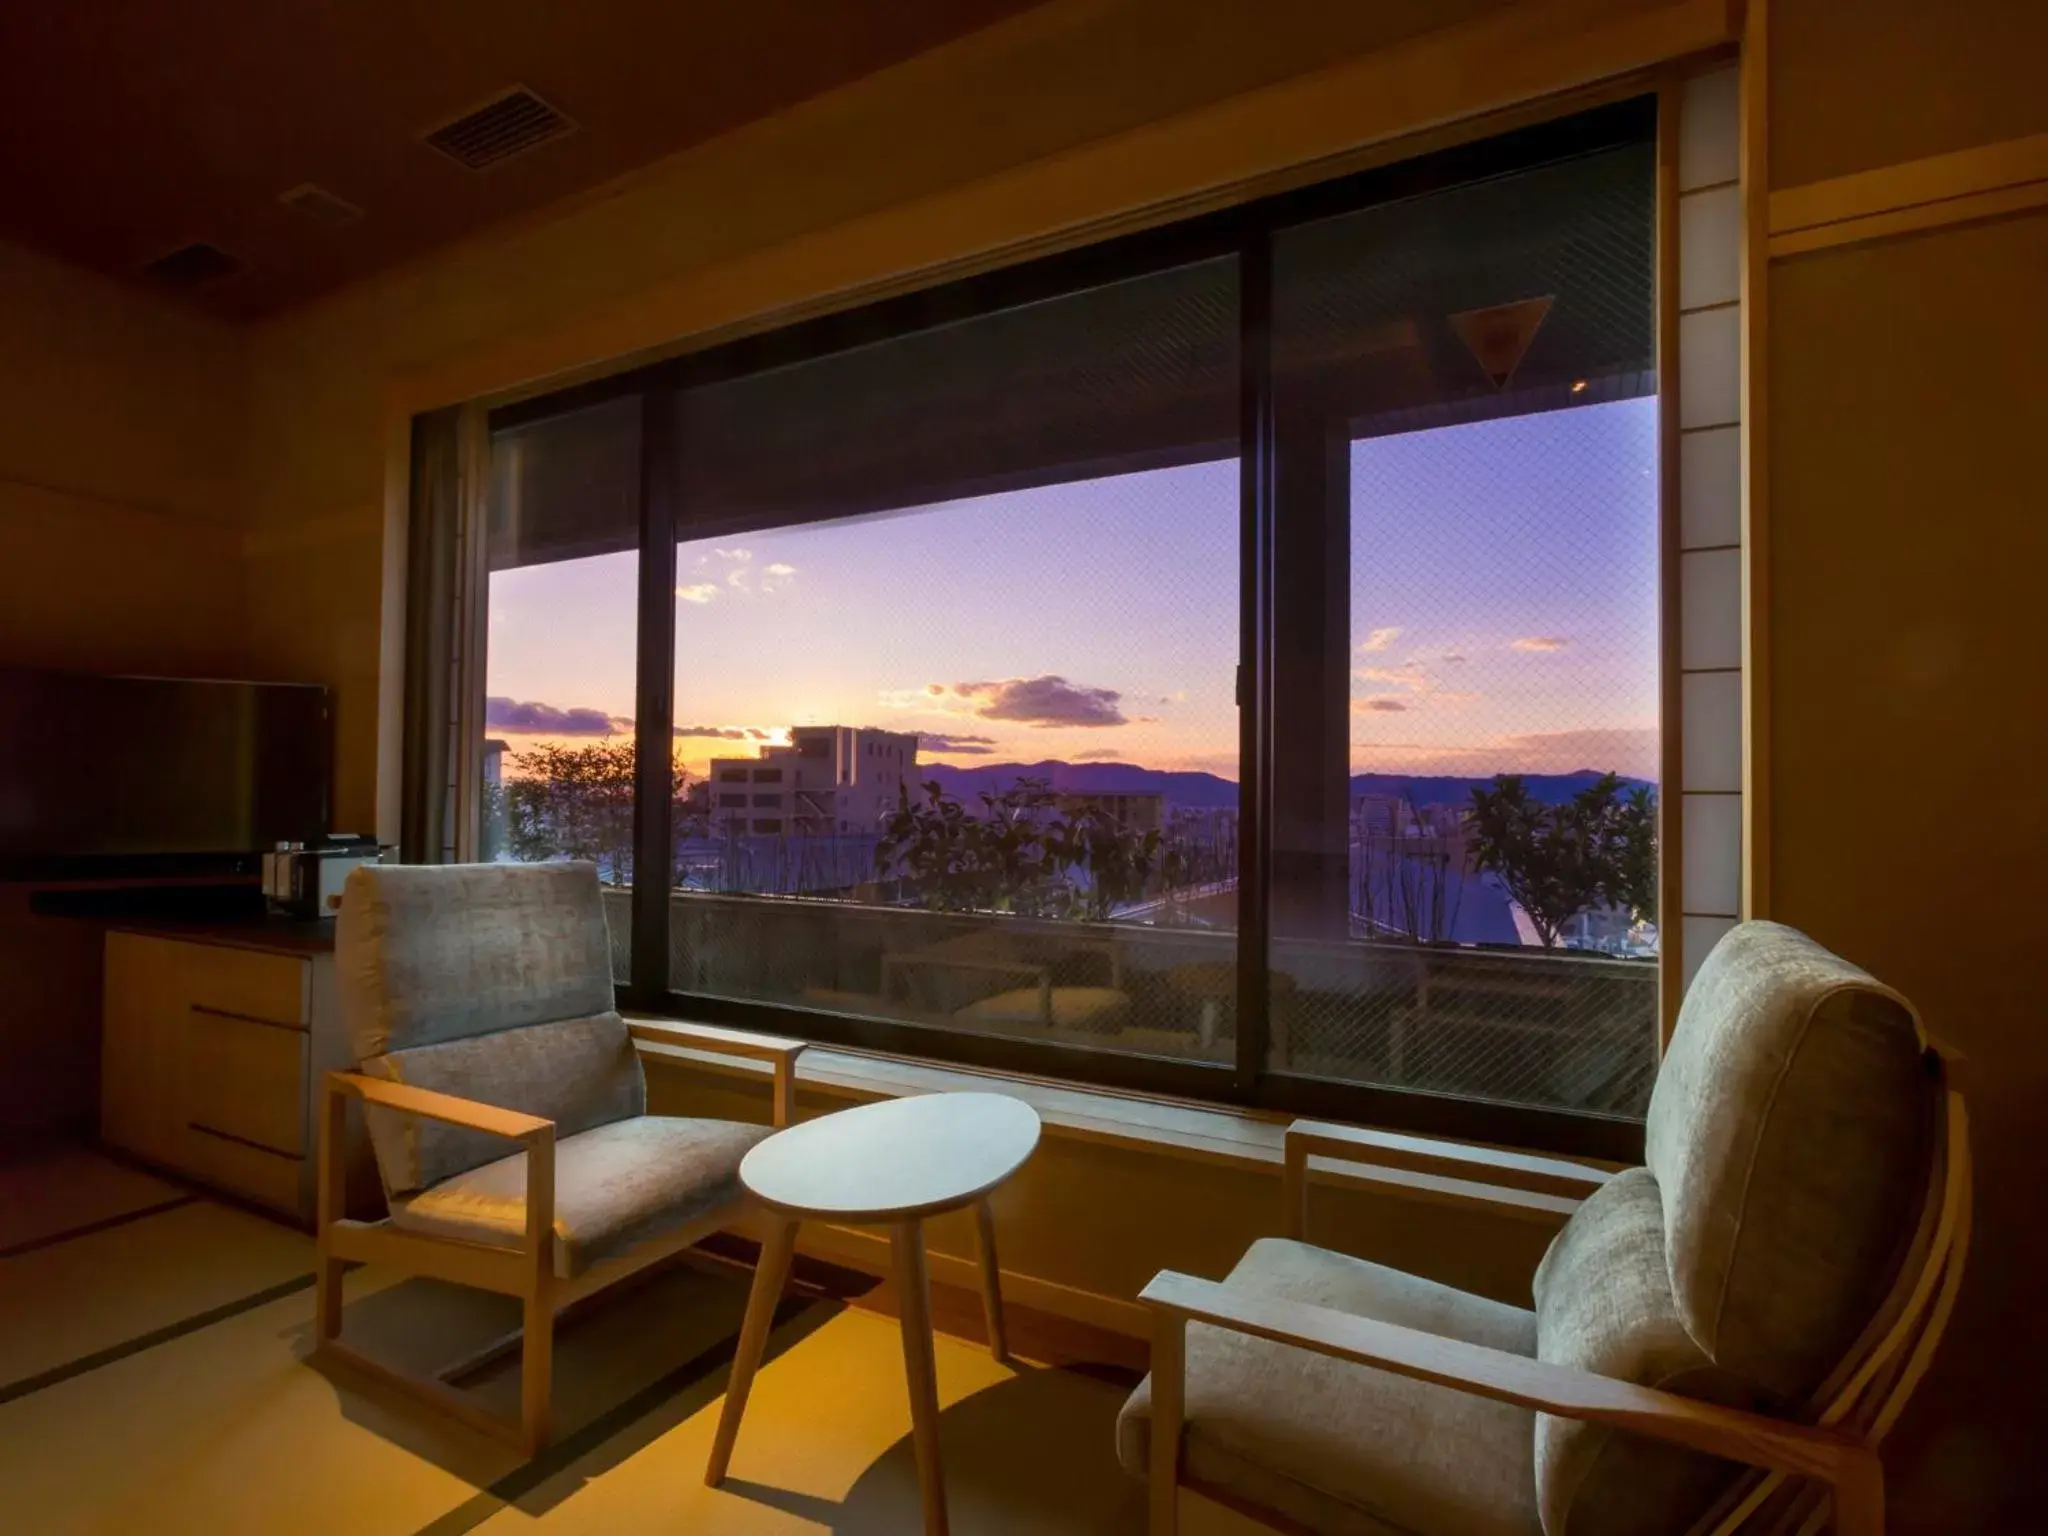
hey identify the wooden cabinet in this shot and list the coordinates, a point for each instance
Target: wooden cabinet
(210, 1055)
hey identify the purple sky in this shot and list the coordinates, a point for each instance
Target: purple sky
(1503, 615)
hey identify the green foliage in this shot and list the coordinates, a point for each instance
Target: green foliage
(1560, 860)
(1018, 855)
(1119, 861)
(577, 803)
(1634, 886)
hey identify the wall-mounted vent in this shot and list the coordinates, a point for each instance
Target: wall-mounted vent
(496, 131)
(321, 206)
(194, 266)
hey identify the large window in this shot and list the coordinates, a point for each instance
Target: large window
(1223, 661)
(560, 630)
(1466, 515)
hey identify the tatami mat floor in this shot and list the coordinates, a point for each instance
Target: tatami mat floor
(151, 1380)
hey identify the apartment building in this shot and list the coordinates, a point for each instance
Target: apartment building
(830, 779)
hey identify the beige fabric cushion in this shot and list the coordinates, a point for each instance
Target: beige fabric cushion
(1790, 1132)
(615, 1188)
(1603, 1304)
(427, 953)
(578, 1073)
(1342, 1448)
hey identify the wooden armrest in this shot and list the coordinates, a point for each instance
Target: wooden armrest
(447, 1107)
(715, 1037)
(1548, 1176)
(782, 1053)
(1535, 1384)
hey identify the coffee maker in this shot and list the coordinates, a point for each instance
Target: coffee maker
(304, 881)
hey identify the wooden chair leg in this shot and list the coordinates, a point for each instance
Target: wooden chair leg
(770, 1273)
(991, 1280)
(537, 1365)
(326, 1299)
(914, 1299)
(1169, 1357)
(537, 1349)
(331, 1191)
(1859, 1500)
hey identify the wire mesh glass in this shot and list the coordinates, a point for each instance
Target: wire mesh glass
(1466, 867)
(956, 630)
(559, 651)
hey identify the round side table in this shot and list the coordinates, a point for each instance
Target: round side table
(888, 1164)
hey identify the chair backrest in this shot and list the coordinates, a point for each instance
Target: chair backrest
(488, 981)
(1801, 1146)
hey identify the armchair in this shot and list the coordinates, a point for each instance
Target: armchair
(479, 1001)
(1720, 1339)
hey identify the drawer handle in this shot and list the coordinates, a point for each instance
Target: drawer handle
(243, 1141)
(248, 1018)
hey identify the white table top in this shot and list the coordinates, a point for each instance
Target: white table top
(894, 1160)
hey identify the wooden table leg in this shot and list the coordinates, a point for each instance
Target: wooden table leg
(913, 1288)
(769, 1276)
(991, 1280)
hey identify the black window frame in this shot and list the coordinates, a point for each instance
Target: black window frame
(1245, 232)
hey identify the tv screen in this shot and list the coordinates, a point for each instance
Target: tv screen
(142, 766)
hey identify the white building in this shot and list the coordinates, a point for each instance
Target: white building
(829, 779)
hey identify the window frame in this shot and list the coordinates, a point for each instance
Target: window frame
(1245, 232)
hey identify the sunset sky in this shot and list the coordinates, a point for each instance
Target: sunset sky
(1504, 616)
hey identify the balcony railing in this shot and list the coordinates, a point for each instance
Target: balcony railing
(1555, 1029)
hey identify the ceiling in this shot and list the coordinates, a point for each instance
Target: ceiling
(128, 131)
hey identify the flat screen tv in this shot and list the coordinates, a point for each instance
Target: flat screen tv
(141, 769)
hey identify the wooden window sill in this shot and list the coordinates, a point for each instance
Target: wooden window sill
(1208, 1133)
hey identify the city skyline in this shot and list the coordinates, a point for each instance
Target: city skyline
(1504, 613)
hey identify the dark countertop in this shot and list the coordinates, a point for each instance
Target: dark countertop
(278, 935)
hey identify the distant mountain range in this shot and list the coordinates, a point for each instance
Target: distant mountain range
(1205, 791)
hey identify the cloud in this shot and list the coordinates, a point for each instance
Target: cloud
(738, 579)
(740, 555)
(1539, 643)
(503, 714)
(698, 592)
(1409, 676)
(1379, 703)
(1099, 755)
(775, 577)
(1380, 639)
(1043, 701)
(717, 732)
(1178, 696)
(964, 746)
(1452, 660)
(778, 569)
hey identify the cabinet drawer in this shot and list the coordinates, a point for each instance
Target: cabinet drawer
(264, 1177)
(246, 983)
(246, 1080)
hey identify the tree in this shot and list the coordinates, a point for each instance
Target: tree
(1634, 884)
(1560, 860)
(1118, 861)
(1016, 856)
(577, 803)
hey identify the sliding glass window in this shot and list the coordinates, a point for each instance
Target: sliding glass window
(956, 638)
(560, 620)
(1222, 661)
(1465, 686)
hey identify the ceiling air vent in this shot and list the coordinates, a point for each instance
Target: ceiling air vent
(321, 206)
(511, 125)
(193, 266)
